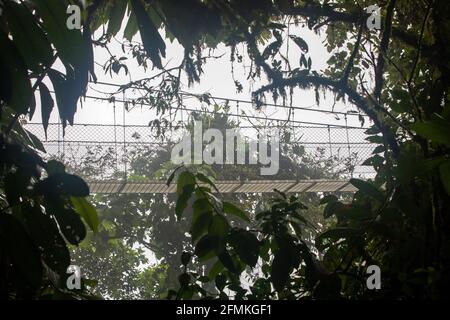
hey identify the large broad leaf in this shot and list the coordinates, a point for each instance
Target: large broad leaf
(247, 246)
(231, 209)
(207, 245)
(220, 281)
(185, 258)
(227, 261)
(28, 37)
(17, 90)
(87, 211)
(285, 260)
(219, 226)
(16, 185)
(68, 220)
(444, 171)
(67, 100)
(44, 232)
(281, 269)
(47, 105)
(184, 179)
(436, 130)
(153, 43)
(35, 141)
(183, 200)
(55, 167)
(329, 287)
(332, 208)
(335, 234)
(32, 106)
(368, 189)
(328, 198)
(5, 83)
(63, 184)
(68, 43)
(116, 16)
(338, 233)
(201, 205)
(20, 248)
(88, 63)
(215, 269)
(200, 224)
(185, 188)
(201, 177)
(300, 43)
(131, 28)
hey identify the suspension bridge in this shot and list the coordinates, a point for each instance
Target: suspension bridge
(123, 157)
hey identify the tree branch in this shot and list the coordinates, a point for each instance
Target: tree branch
(419, 46)
(310, 80)
(316, 11)
(351, 60)
(259, 60)
(383, 48)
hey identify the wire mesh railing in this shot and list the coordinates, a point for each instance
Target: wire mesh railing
(105, 152)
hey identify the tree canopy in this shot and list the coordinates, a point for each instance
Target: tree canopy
(398, 76)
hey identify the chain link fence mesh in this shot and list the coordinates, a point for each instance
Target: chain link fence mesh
(102, 152)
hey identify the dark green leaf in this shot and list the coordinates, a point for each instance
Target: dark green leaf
(379, 149)
(220, 281)
(116, 16)
(301, 43)
(153, 43)
(185, 258)
(375, 139)
(216, 269)
(20, 248)
(227, 261)
(183, 199)
(444, 172)
(87, 211)
(337, 233)
(32, 106)
(219, 226)
(206, 245)
(231, 209)
(332, 208)
(328, 287)
(28, 37)
(18, 96)
(47, 105)
(328, 198)
(131, 28)
(16, 184)
(281, 269)
(172, 175)
(437, 129)
(205, 179)
(247, 247)
(68, 220)
(44, 231)
(65, 95)
(368, 189)
(35, 141)
(184, 280)
(200, 224)
(63, 183)
(184, 179)
(68, 43)
(55, 167)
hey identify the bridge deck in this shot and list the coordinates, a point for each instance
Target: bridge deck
(252, 186)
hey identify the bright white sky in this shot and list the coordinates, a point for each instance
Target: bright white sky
(216, 80)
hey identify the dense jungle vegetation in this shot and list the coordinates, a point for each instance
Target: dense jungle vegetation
(229, 246)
